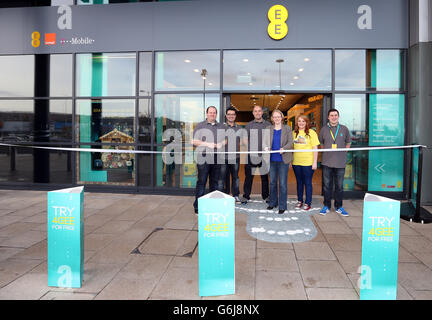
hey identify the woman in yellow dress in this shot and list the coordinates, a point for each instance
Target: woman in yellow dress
(304, 163)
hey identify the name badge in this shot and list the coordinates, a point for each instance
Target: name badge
(334, 146)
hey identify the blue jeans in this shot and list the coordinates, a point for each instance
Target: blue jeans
(303, 176)
(278, 171)
(210, 171)
(226, 171)
(333, 177)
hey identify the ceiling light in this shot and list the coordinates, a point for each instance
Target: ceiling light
(306, 59)
(250, 83)
(196, 70)
(300, 70)
(210, 84)
(187, 61)
(292, 83)
(295, 77)
(245, 60)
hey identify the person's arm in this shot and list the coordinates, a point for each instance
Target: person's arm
(315, 158)
(347, 139)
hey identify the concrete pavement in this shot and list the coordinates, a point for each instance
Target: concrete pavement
(145, 247)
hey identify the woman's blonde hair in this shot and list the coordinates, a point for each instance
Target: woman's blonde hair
(277, 111)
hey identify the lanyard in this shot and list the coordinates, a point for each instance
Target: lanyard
(331, 132)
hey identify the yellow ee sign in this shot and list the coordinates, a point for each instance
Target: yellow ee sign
(277, 28)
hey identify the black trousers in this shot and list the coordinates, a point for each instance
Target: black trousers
(247, 186)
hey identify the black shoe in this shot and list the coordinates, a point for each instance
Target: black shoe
(281, 211)
(266, 200)
(270, 208)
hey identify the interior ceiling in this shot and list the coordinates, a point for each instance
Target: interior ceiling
(246, 102)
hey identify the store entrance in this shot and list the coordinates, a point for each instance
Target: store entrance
(314, 106)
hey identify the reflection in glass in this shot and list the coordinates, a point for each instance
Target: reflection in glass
(145, 168)
(181, 112)
(61, 75)
(144, 121)
(61, 120)
(17, 76)
(350, 70)
(182, 70)
(105, 74)
(145, 73)
(352, 111)
(16, 120)
(16, 164)
(259, 70)
(98, 120)
(385, 70)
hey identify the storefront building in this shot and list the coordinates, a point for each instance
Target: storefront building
(118, 76)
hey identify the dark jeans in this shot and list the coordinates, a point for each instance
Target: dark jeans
(303, 176)
(247, 186)
(211, 171)
(333, 176)
(226, 171)
(278, 173)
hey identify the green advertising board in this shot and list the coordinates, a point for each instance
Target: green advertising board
(216, 244)
(380, 248)
(66, 237)
(386, 128)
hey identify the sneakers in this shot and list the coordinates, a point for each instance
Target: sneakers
(306, 207)
(299, 204)
(324, 210)
(237, 199)
(342, 212)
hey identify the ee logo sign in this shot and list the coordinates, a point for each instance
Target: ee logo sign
(277, 28)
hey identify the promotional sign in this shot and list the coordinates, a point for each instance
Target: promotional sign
(386, 128)
(216, 243)
(380, 248)
(66, 237)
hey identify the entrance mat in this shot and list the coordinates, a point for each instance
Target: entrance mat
(295, 225)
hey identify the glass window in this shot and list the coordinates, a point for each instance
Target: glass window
(277, 70)
(145, 73)
(61, 75)
(106, 121)
(16, 164)
(17, 76)
(350, 70)
(386, 128)
(352, 112)
(16, 120)
(145, 168)
(181, 112)
(385, 70)
(61, 120)
(144, 121)
(105, 74)
(182, 70)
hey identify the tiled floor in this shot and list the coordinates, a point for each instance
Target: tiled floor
(127, 257)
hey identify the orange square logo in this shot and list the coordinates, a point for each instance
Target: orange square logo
(50, 38)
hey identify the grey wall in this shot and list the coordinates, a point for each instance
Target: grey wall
(420, 87)
(222, 24)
